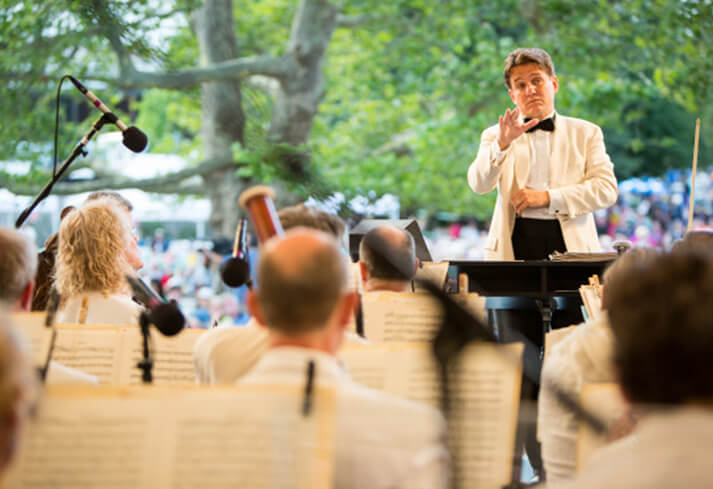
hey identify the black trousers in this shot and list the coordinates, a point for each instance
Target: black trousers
(536, 239)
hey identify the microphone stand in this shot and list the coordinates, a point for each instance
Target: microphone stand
(146, 362)
(78, 150)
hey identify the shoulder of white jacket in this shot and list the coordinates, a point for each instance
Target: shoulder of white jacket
(575, 122)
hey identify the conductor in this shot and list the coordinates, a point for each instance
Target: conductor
(551, 171)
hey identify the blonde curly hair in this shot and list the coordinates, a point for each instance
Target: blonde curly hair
(91, 255)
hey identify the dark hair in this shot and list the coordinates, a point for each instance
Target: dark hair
(661, 315)
(388, 253)
(523, 56)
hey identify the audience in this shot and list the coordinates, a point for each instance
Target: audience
(584, 356)
(96, 251)
(224, 354)
(303, 301)
(661, 316)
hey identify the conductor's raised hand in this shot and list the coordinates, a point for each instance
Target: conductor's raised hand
(511, 128)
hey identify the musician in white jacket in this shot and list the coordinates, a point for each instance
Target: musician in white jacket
(551, 171)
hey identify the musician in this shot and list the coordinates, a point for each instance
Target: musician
(551, 171)
(94, 256)
(18, 267)
(224, 354)
(387, 259)
(17, 388)
(304, 302)
(584, 356)
(662, 321)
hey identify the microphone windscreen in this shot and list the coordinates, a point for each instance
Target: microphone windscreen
(135, 139)
(167, 318)
(235, 272)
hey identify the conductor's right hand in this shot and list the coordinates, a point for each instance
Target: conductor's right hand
(511, 128)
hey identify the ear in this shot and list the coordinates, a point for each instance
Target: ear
(364, 273)
(417, 264)
(555, 83)
(254, 307)
(512, 96)
(26, 297)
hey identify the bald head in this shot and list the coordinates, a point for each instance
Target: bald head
(301, 276)
(388, 253)
(17, 266)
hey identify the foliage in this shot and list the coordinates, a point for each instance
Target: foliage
(408, 89)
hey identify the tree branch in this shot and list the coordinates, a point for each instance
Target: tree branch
(276, 67)
(165, 184)
(353, 20)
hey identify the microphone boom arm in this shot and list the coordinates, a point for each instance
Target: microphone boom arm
(78, 150)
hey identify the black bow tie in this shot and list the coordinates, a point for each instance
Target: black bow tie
(544, 124)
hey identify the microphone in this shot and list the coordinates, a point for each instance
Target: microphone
(166, 316)
(236, 270)
(134, 138)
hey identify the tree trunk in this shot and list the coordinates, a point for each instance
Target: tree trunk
(301, 92)
(223, 120)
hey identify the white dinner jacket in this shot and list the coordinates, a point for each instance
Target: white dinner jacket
(581, 176)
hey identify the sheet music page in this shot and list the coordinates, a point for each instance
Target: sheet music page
(94, 350)
(400, 317)
(436, 273)
(32, 327)
(173, 356)
(406, 370)
(247, 436)
(591, 300)
(485, 396)
(607, 403)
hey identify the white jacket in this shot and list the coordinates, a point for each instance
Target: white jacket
(581, 179)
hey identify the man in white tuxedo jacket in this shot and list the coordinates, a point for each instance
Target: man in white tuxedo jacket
(551, 171)
(302, 295)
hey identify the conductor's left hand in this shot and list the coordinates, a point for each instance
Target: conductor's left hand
(526, 198)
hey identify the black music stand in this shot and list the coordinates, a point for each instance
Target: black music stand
(542, 280)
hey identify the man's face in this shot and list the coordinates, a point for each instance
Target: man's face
(532, 90)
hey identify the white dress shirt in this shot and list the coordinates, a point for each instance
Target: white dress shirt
(583, 357)
(113, 309)
(224, 354)
(381, 441)
(668, 450)
(540, 144)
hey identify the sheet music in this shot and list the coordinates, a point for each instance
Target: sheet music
(32, 327)
(607, 403)
(143, 438)
(95, 350)
(111, 353)
(173, 357)
(485, 395)
(400, 317)
(591, 300)
(436, 273)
